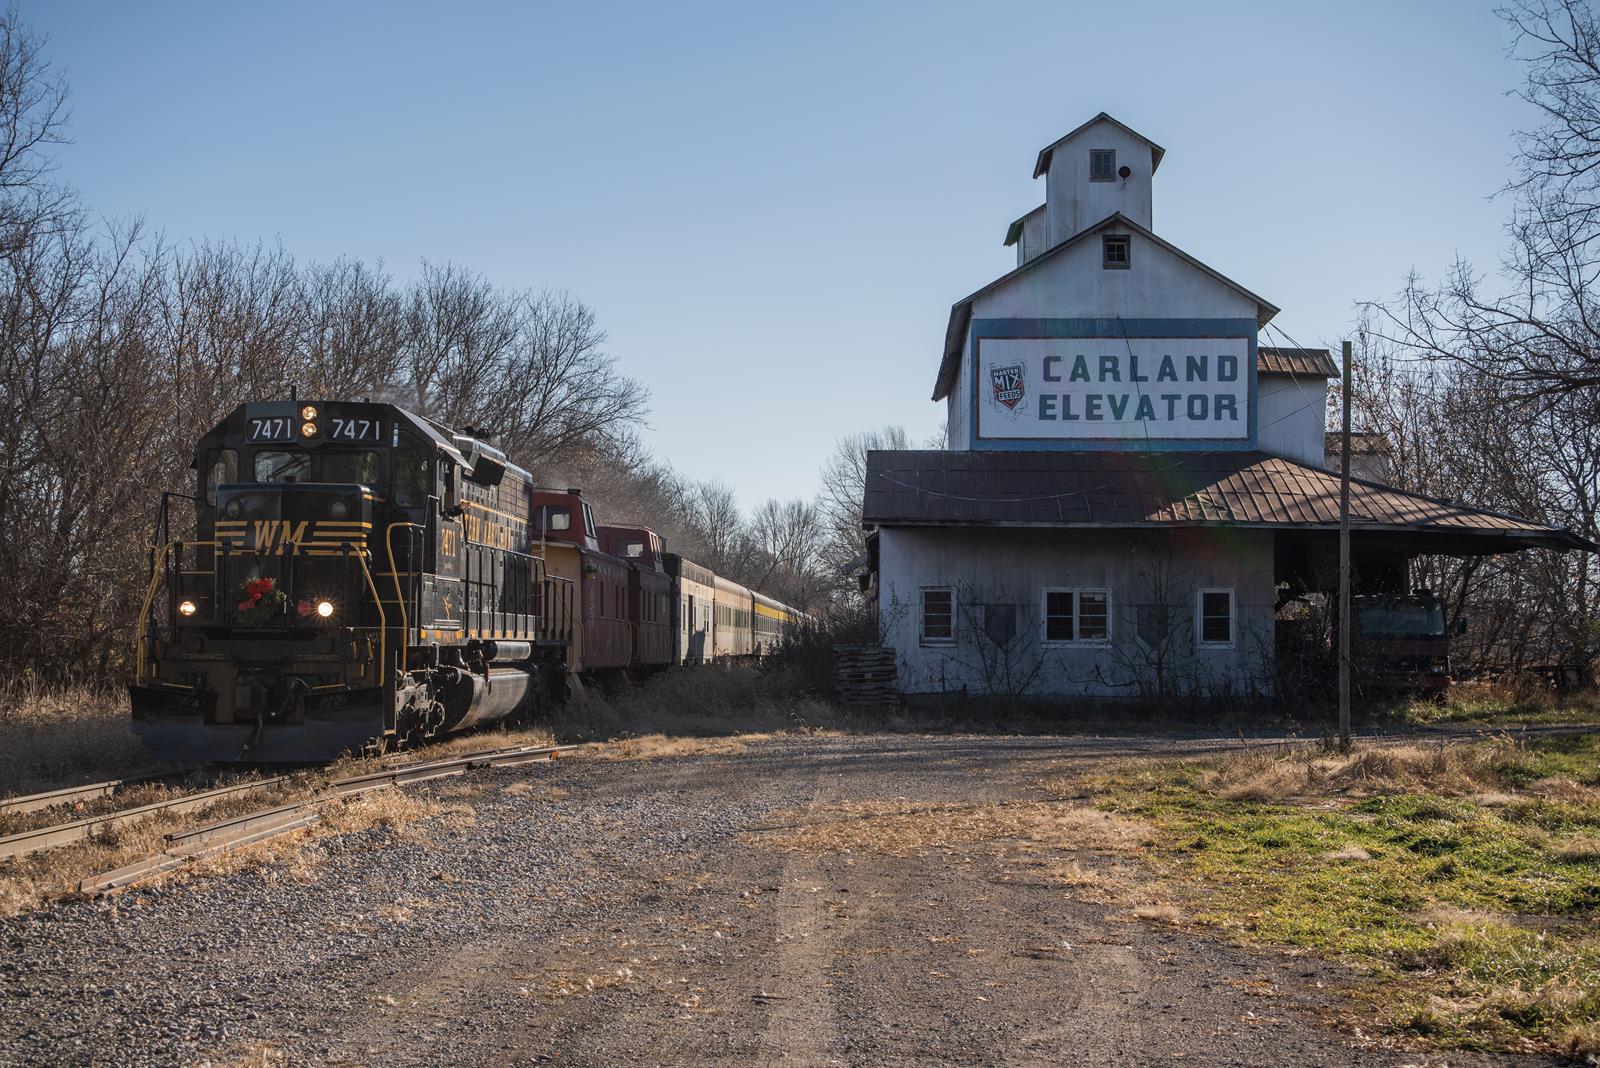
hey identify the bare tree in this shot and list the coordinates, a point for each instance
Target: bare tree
(844, 483)
(1535, 329)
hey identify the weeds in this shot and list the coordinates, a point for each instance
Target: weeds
(51, 737)
(1464, 878)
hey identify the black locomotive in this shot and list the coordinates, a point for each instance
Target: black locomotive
(357, 577)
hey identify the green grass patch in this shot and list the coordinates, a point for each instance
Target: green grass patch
(1490, 705)
(1473, 904)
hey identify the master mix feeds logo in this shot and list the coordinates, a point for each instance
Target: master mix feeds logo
(1008, 384)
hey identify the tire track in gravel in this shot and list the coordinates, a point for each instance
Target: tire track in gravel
(801, 1020)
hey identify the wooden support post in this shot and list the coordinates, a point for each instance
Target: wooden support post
(1344, 563)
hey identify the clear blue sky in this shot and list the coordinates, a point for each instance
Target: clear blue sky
(772, 207)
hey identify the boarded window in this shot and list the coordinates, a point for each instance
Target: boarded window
(938, 615)
(1155, 624)
(1102, 164)
(1216, 617)
(1000, 623)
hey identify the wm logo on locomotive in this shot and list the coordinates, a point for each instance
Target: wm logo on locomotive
(279, 537)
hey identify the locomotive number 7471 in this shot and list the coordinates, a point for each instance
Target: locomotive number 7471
(355, 429)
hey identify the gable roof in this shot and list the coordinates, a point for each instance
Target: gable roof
(1043, 164)
(961, 312)
(1314, 363)
(1014, 231)
(1166, 490)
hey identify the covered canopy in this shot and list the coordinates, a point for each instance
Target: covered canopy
(1175, 489)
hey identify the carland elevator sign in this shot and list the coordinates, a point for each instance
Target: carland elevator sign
(1114, 389)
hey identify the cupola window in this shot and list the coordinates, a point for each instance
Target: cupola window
(1102, 164)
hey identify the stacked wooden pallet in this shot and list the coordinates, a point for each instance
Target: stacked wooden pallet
(864, 676)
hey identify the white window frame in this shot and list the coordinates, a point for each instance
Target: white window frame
(1077, 613)
(1200, 617)
(922, 616)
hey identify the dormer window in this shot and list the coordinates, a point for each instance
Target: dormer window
(1102, 164)
(1114, 248)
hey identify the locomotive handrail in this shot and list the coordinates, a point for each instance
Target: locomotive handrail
(361, 554)
(400, 598)
(159, 558)
(161, 552)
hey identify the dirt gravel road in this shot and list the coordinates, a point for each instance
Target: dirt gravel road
(663, 912)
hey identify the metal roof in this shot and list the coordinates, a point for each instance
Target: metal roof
(1014, 231)
(1042, 165)
(1169, 489)
(961, 313)
(1315, 363)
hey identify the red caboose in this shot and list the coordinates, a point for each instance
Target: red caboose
(649, 592)
(564, 534)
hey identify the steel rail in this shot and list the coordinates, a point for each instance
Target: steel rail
(41, 838)
(185, 847)
(71, 795)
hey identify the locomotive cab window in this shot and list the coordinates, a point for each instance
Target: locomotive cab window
(286, 465)
(359, 466)
(222, 469)
(634, 550)
(412, 478)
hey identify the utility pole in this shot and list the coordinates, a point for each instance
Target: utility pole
(1344, 564)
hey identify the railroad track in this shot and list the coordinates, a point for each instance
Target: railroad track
(73, 795)
(184, 847)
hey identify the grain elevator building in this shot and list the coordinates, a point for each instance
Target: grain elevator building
(1134, 481)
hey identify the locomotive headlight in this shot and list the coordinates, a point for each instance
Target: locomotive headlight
(325, 609)
(233, 509)
(187, 607)
(308, 413)
(308, 430)
(338, 509)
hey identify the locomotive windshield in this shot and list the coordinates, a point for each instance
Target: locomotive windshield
(288, 465)
(358, 466)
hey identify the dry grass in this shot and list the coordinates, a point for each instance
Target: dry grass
(27, 882)
(708, 701)
(252, 1055)
(902, 828)
(31, 881)
(63, 736)
(1307, 774)
(655, 746)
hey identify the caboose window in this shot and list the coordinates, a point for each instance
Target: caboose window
(359, 466)
(224, 468)
(551, 518)
(289, 465)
